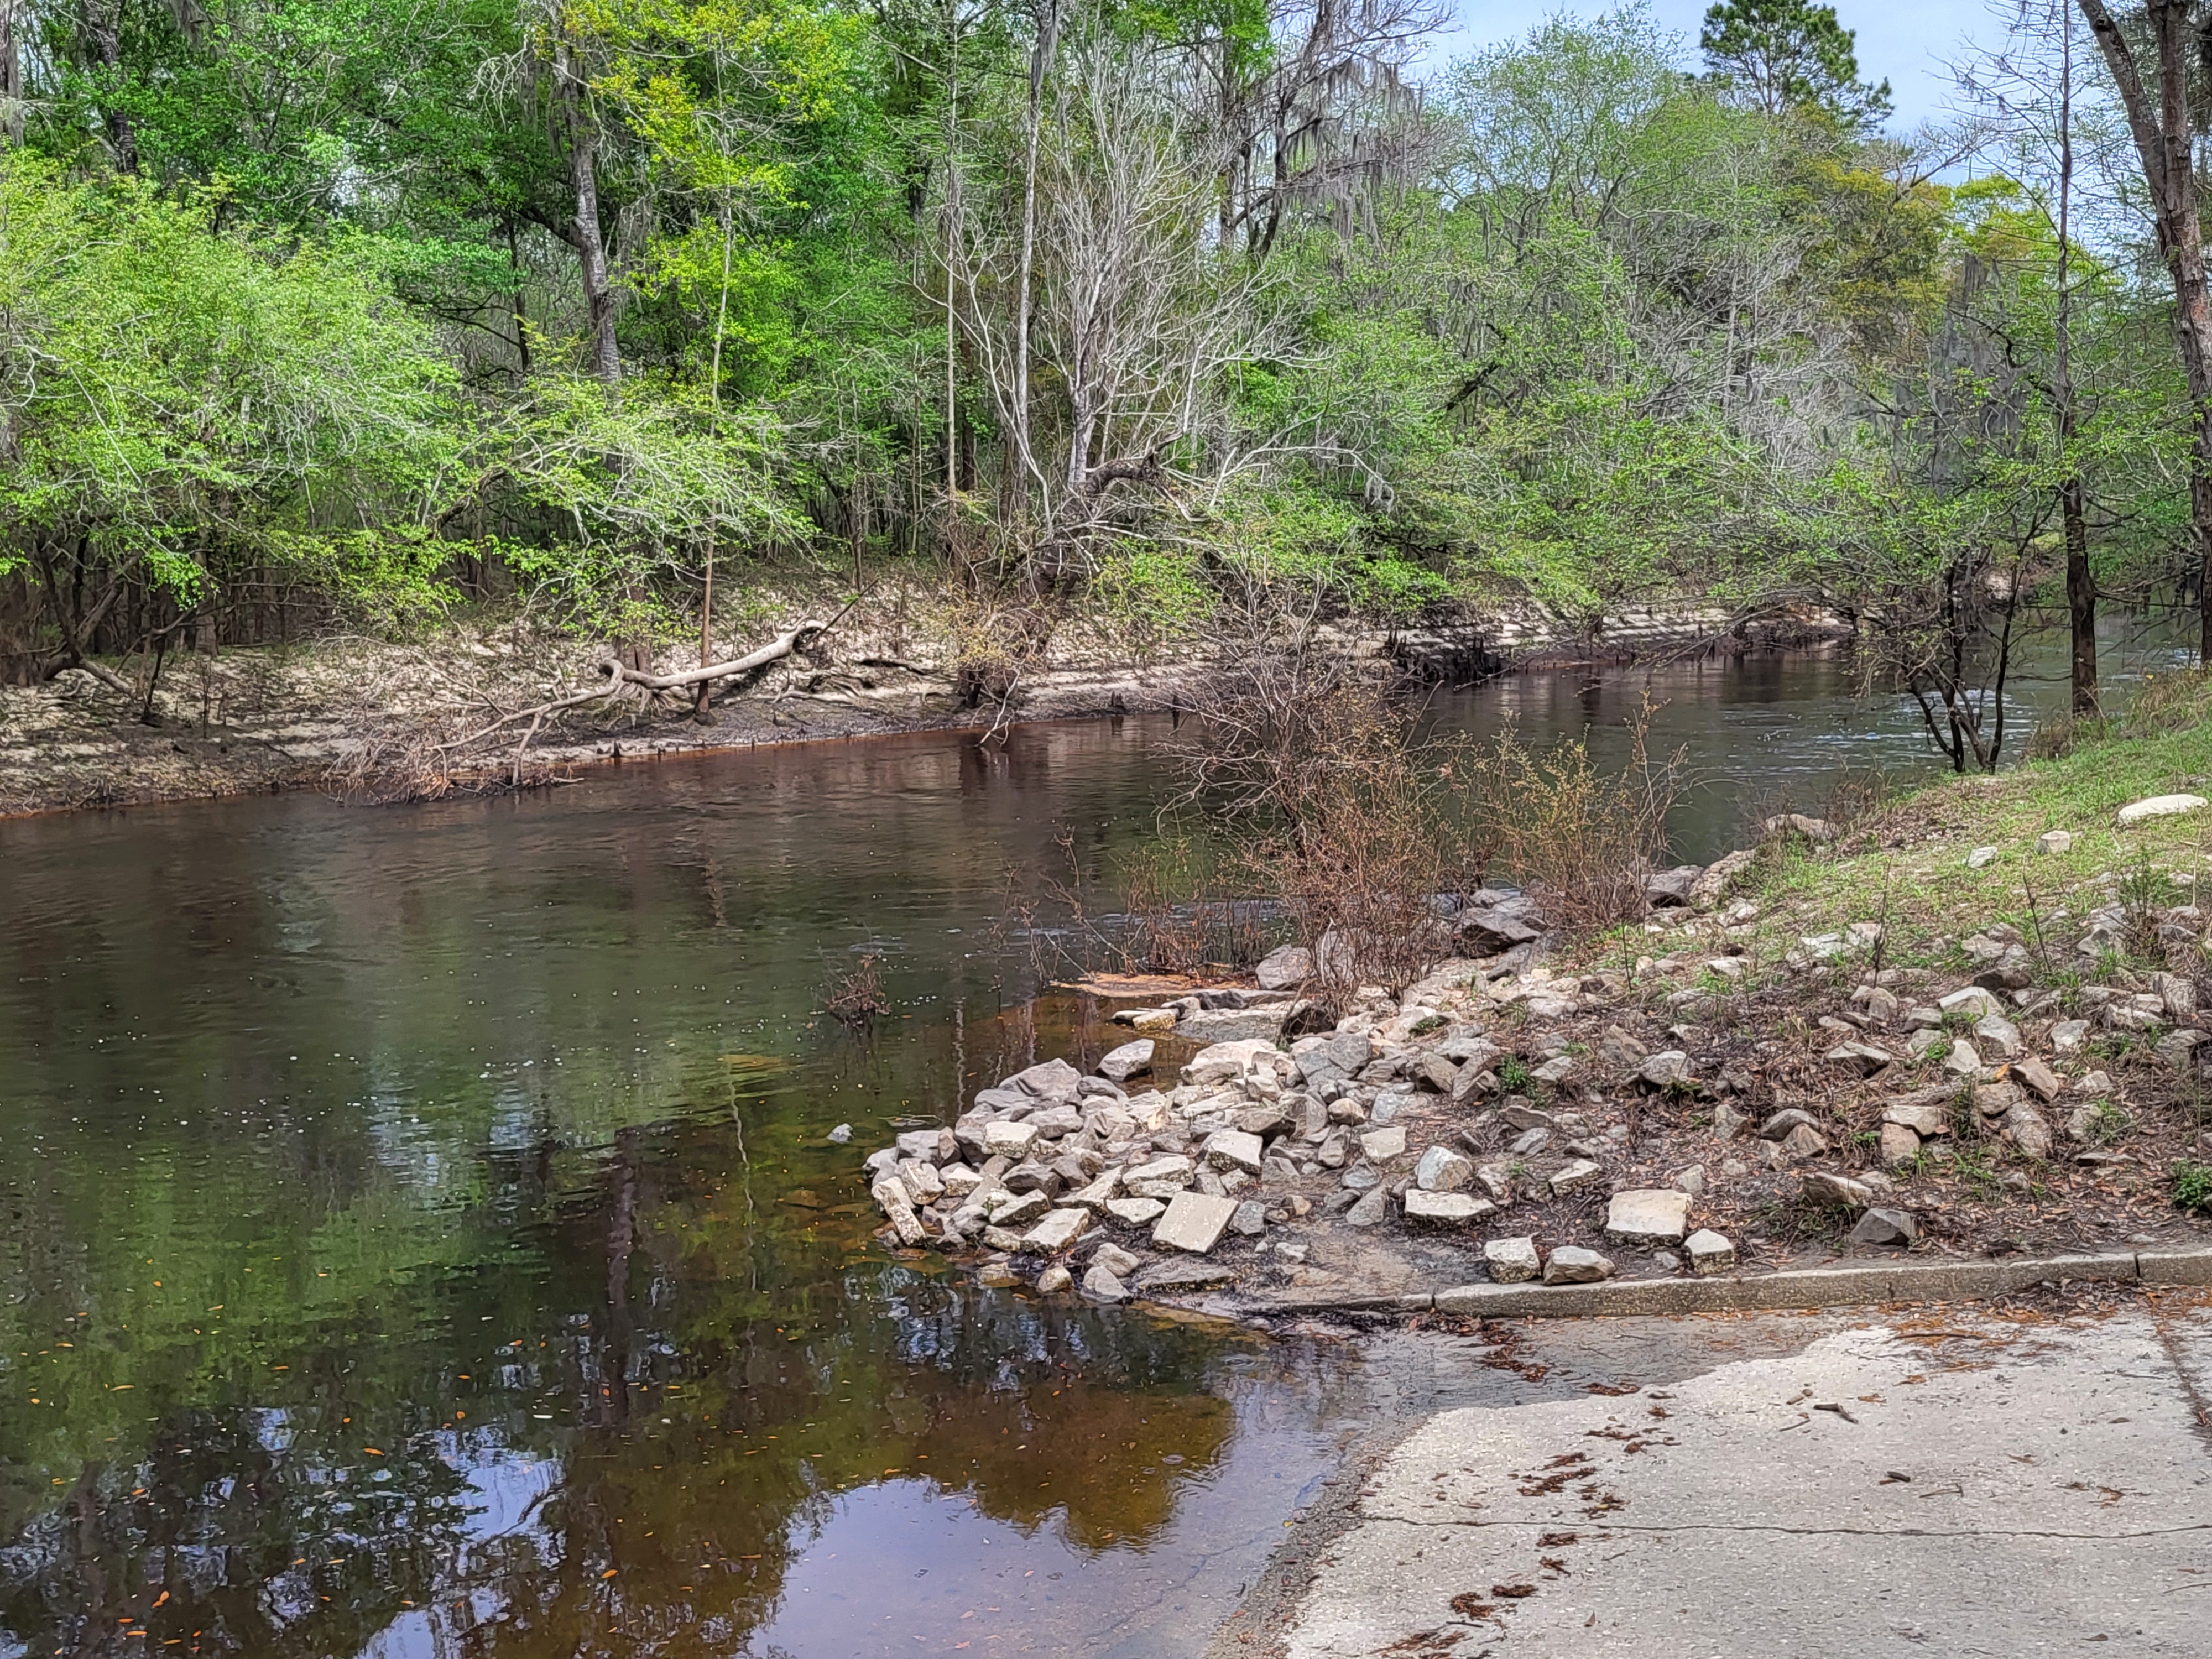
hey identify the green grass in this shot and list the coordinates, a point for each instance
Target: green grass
(1908, 864)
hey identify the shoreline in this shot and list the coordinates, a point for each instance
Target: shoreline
(1943, 1051)
(260, 720)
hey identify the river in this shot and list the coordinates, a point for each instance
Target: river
(418, 1232)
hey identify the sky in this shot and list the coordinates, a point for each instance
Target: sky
(1907, 41)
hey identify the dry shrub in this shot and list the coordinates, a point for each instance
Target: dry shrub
(855, 996)
(1581, 840)
(1180, 916)
(2169, 703)
(1342, 815)
(1171, 910)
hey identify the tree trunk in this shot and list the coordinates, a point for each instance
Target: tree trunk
(589, 241)
(2081, 581)
(2162, 138)
(103, 29)
(2081, 596)
(11, 70)
(1041, 55)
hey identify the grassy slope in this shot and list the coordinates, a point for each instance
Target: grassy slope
(1906, 866)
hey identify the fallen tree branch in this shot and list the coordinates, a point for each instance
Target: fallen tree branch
(618, 675)
(777, 649)
(534, 715)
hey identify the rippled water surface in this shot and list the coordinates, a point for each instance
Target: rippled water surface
(418, 1234)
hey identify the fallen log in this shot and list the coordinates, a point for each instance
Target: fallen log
(781, 647)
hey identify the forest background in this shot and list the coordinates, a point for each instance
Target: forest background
(617, 316)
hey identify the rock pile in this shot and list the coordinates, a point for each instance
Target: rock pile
(1504, 1115)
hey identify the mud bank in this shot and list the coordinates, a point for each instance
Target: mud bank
(252, 722)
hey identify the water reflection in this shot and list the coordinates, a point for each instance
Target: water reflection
(418, 1236)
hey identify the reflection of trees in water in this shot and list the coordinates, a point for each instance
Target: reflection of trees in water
(715, 1375)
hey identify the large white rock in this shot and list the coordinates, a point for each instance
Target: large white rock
(1058, 1230)
(1095, 1195)
(1858, 1059)
(899, 1209)
(1573, 1265)
(1012, 1210)
(1104, 1284)
(1227, 1062)
(1580, 1173)
(1381, 1145)
(1709, 1252)
(1053, 1079)
(1445, 1209)
(1119, 1065)
(1971, 999)
(1443, 1170)
(1285, 968)
(1999, 1033)
(1648, 1215)
(1174, 1167)
(2160, 806)
(1218, 1025)
(1920, 1113)
(1232, 1149)
(1011, 1141)
(1512, 1260)
(1193, 1222)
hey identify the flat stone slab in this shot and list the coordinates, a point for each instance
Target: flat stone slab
(1058, 1230)
(1179, 1277)
(1016, 1210)
(1971, 999)
(1233, 1149)
(1579, 1174)
(1571, 1264)
(1445, 1209)
(1134, 1212)
(1923, 1116)
(1119, 1065)
(1381, 1145)
(1234, 1024)
(1193, 1222)
(1009, 1140)
(1175, 1167)
(2160, 806)
(1648, 1215)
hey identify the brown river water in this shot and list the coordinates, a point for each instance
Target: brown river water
(418, 1234)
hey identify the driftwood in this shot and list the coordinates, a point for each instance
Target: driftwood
(619, 674)
(777, 649)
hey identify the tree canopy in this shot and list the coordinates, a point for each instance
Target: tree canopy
(373, 309)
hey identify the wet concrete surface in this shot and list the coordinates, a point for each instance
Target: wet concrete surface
(1959, 1480)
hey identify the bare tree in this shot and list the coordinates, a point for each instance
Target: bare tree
(2166, 144)
(580, 137)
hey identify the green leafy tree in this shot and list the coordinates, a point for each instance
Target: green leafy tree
(1790, 54)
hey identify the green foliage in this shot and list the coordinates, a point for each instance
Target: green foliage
(1790, 54)
(2192, 1185)
(1602, 330)
(182, 395)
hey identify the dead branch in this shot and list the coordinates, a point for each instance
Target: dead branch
(781, 647)
(534, 715)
